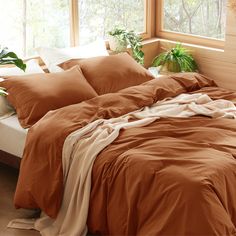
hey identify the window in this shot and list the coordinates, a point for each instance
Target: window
(205, 18)
(97, 17)
(27, 24)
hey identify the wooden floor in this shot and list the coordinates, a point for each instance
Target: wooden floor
(8, 179)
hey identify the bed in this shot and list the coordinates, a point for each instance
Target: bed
(12, 141)
(13, 136)
(112, 151)
(168, 176)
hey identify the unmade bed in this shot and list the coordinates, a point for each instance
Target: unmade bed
(169, 176)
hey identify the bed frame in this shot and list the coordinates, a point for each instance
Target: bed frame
(10, 159)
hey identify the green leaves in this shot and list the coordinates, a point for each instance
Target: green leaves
(3, 92)
(7, 57)
(176, 59)
(132, 39)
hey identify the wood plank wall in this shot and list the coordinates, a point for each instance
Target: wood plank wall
(219, 64)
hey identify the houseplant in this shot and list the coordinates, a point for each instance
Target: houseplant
(177, 59)
(121, 38)
(7, 57)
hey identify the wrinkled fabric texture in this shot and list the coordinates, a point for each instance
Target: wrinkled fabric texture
(111, 74)
(82, 147)
(33, 95)
(146, 181)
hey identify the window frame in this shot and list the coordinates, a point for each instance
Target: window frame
(74, 23)
(150, 19)
(182, 37)
(149, 22)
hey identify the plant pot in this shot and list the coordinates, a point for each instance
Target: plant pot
(170, 67)
(116, 45)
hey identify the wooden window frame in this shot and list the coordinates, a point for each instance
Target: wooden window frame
(150, 19)
(182, 37)
(74, 23)
(149, 23)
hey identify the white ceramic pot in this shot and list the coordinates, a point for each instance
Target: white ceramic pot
(115, 44)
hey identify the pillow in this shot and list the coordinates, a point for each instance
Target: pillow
(6, 109)
(32, 67)
(111, 74)
(34, 95)
(54, 56)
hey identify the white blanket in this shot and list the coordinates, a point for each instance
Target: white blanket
(82, 147)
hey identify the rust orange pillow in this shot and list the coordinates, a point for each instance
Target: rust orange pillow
(110, 74)
(34, 95)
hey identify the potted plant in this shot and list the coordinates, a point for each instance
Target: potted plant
(7, 57)
(121, 38)
(177, 59)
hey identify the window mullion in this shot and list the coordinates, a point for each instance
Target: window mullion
(74, 22)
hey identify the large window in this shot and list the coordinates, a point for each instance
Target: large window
(97, 17)
(27, 24)
(205, 18)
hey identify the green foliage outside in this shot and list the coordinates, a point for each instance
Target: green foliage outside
(97, 17)
(28, 24)
(198, 17)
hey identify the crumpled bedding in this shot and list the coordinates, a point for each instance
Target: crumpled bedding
(171, 177)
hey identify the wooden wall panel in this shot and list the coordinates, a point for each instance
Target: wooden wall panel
(231, 22)
(151, 49)
(222, 72)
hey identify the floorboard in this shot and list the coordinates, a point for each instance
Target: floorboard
(8, 179)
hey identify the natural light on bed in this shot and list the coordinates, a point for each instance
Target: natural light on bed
(118, 117)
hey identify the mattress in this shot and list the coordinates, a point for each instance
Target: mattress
(12, 136)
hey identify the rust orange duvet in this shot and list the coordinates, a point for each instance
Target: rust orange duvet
(173, 176)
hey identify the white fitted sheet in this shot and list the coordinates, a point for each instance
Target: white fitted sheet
(12, 136)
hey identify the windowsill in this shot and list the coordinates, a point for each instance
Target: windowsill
(145, 43)
(197, 46)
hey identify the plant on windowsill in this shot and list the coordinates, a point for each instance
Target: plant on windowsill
(7, 57)
(120, 39)
(177, 59)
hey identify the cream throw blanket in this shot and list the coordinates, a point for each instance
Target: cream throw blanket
(82, 146)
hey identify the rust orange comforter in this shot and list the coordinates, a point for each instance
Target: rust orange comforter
(173, 177)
